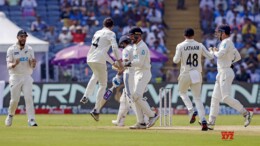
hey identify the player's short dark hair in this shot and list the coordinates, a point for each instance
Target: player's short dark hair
(224, 28)
(108, 22)
(189, 32)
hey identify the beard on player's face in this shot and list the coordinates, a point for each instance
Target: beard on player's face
(21, 42)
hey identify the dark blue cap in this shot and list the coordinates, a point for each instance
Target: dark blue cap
(135, 30)
(22, 32)
(224, 28)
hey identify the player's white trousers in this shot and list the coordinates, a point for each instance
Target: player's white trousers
(125, 102)
(222, 92)
(18, 84)
(99, 74)
(141, 78)
(184, 84)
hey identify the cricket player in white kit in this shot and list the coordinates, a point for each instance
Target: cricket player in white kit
(128, 79)
(226, 55)
(190, 52)
(20, 63)
(142, 76)
(96, 59)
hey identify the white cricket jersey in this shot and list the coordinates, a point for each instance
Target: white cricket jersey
(227, 54)
(189, 52)
(23, 68)
(141, 56)
(127, 54)
(101, 42)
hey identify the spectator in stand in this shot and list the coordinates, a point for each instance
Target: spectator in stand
(79, 35)
(222, 2)
(65, 37)
(154, 15)
(251, 61)
(38, 25)
(248, 29)
(28, 7)
(206, 15)
(242, 75)
(65, 16)
(143, 22)
(51, 36)
(104, 8)
(237, 39)
(75, 14)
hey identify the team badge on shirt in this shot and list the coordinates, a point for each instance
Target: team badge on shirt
(143, 52)
(16, 53)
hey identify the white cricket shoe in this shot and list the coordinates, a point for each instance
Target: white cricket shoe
(248, 118)
(9, 120)
(32, 123)
(120, 124)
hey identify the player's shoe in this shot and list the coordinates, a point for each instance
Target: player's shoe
(120, 124)
(32, 123)
(211, 125)
(204, 125)
(152, 120)
(84, 100)
(248, 118)
(9, 120)
(193, 117)
(138, 126)
(95, 115)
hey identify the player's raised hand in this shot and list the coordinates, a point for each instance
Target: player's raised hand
(16, 62)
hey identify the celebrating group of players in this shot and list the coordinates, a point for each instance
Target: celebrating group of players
(135, 68)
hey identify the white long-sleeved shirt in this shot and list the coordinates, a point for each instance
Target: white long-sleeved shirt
(141, 56)
(127, 54)
(101, 42)
(227, 54)
(23, 68)
(189, 52)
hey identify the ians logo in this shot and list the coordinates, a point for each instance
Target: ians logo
(16, 53)
(25, 52)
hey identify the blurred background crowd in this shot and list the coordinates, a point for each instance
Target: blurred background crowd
(64, 23)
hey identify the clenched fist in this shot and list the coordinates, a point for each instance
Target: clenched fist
(32, 63)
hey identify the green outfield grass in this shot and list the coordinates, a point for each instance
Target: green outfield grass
(73, 130)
